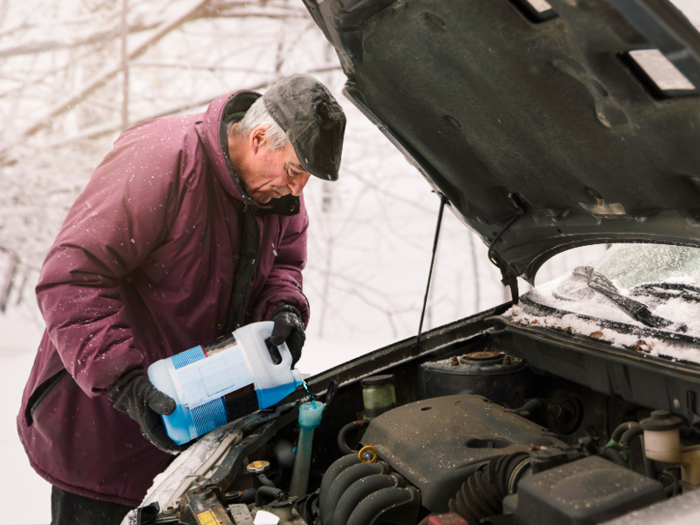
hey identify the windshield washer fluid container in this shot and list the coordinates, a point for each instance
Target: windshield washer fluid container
(223, 380)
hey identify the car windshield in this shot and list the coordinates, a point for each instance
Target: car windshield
(631, 265)
(644, 297)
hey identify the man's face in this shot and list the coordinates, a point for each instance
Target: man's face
(271, 174)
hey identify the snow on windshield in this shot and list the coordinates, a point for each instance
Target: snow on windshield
(627, 266)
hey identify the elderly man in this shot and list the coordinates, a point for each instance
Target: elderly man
(191, 227)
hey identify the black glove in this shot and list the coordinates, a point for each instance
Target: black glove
(288, 327)
(136, 396)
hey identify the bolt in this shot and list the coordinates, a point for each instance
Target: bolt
(455, 361)
(506, 360)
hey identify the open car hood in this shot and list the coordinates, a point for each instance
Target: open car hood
(547, 125)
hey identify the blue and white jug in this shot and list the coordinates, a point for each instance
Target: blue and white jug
(220, 381)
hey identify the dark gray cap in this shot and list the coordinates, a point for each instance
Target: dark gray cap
(313, 121)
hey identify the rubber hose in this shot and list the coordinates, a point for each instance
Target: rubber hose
(344, 480)
(617, 434)
(535, 405)
(265, 492)
(264, 480)
(632, 432)
(359, 490)
(614, 455)
(338, 466)
(307, 507)
(355, 425)
(530, 406)
(481, 496)
(247, 496)
(391, 500)
(670, 491)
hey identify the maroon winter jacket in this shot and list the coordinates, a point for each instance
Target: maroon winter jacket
(142, 268)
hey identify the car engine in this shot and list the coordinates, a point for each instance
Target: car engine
(467, 454)
(465, 431)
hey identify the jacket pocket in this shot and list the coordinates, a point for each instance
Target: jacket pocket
(43, 390)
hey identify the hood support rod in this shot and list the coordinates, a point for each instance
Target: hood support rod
(508, 277)
(443, 201)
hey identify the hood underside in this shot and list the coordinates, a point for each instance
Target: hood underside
(555, 124)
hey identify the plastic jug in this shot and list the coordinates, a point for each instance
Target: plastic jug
(223, 380)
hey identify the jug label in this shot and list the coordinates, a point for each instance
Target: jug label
(212, 377)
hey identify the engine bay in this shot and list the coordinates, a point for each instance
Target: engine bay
(465, 429)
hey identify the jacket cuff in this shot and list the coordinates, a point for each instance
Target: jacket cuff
(287, 308)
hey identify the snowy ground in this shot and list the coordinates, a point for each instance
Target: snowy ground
(25, 495)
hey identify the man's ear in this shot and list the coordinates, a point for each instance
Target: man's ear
(258, 138)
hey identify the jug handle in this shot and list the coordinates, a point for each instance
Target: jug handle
(274, 352)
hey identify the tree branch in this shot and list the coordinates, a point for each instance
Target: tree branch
(93, 38)
(99, 80)
(105, 129)
(213, 9)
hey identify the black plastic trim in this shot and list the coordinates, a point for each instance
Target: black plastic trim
(648, 381)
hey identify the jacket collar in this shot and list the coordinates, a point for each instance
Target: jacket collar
(212, 131)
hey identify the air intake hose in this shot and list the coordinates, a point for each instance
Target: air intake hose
(338, 466)
(391, 505)
(481, 496)
(329, 501)
(359, 490)
(354, 493)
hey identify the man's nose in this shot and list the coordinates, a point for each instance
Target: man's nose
(296, 185)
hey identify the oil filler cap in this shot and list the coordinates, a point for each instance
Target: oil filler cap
(367, 454)
(661, 420)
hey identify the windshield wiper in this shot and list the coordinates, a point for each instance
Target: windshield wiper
(635, 309)
(666, 290)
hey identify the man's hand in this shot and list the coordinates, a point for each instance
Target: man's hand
(136, 396)
(288, 327)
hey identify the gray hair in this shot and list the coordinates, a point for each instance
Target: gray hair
(256, 116)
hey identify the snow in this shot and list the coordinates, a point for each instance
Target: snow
(626, 266)
(29, 494)
(574, 324)
(192, 465)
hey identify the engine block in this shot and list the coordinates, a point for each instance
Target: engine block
(435, 444)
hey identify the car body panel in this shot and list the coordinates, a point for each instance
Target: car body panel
(544, 129)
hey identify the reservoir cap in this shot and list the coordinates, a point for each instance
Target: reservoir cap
(310, 414)
(661, 420)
